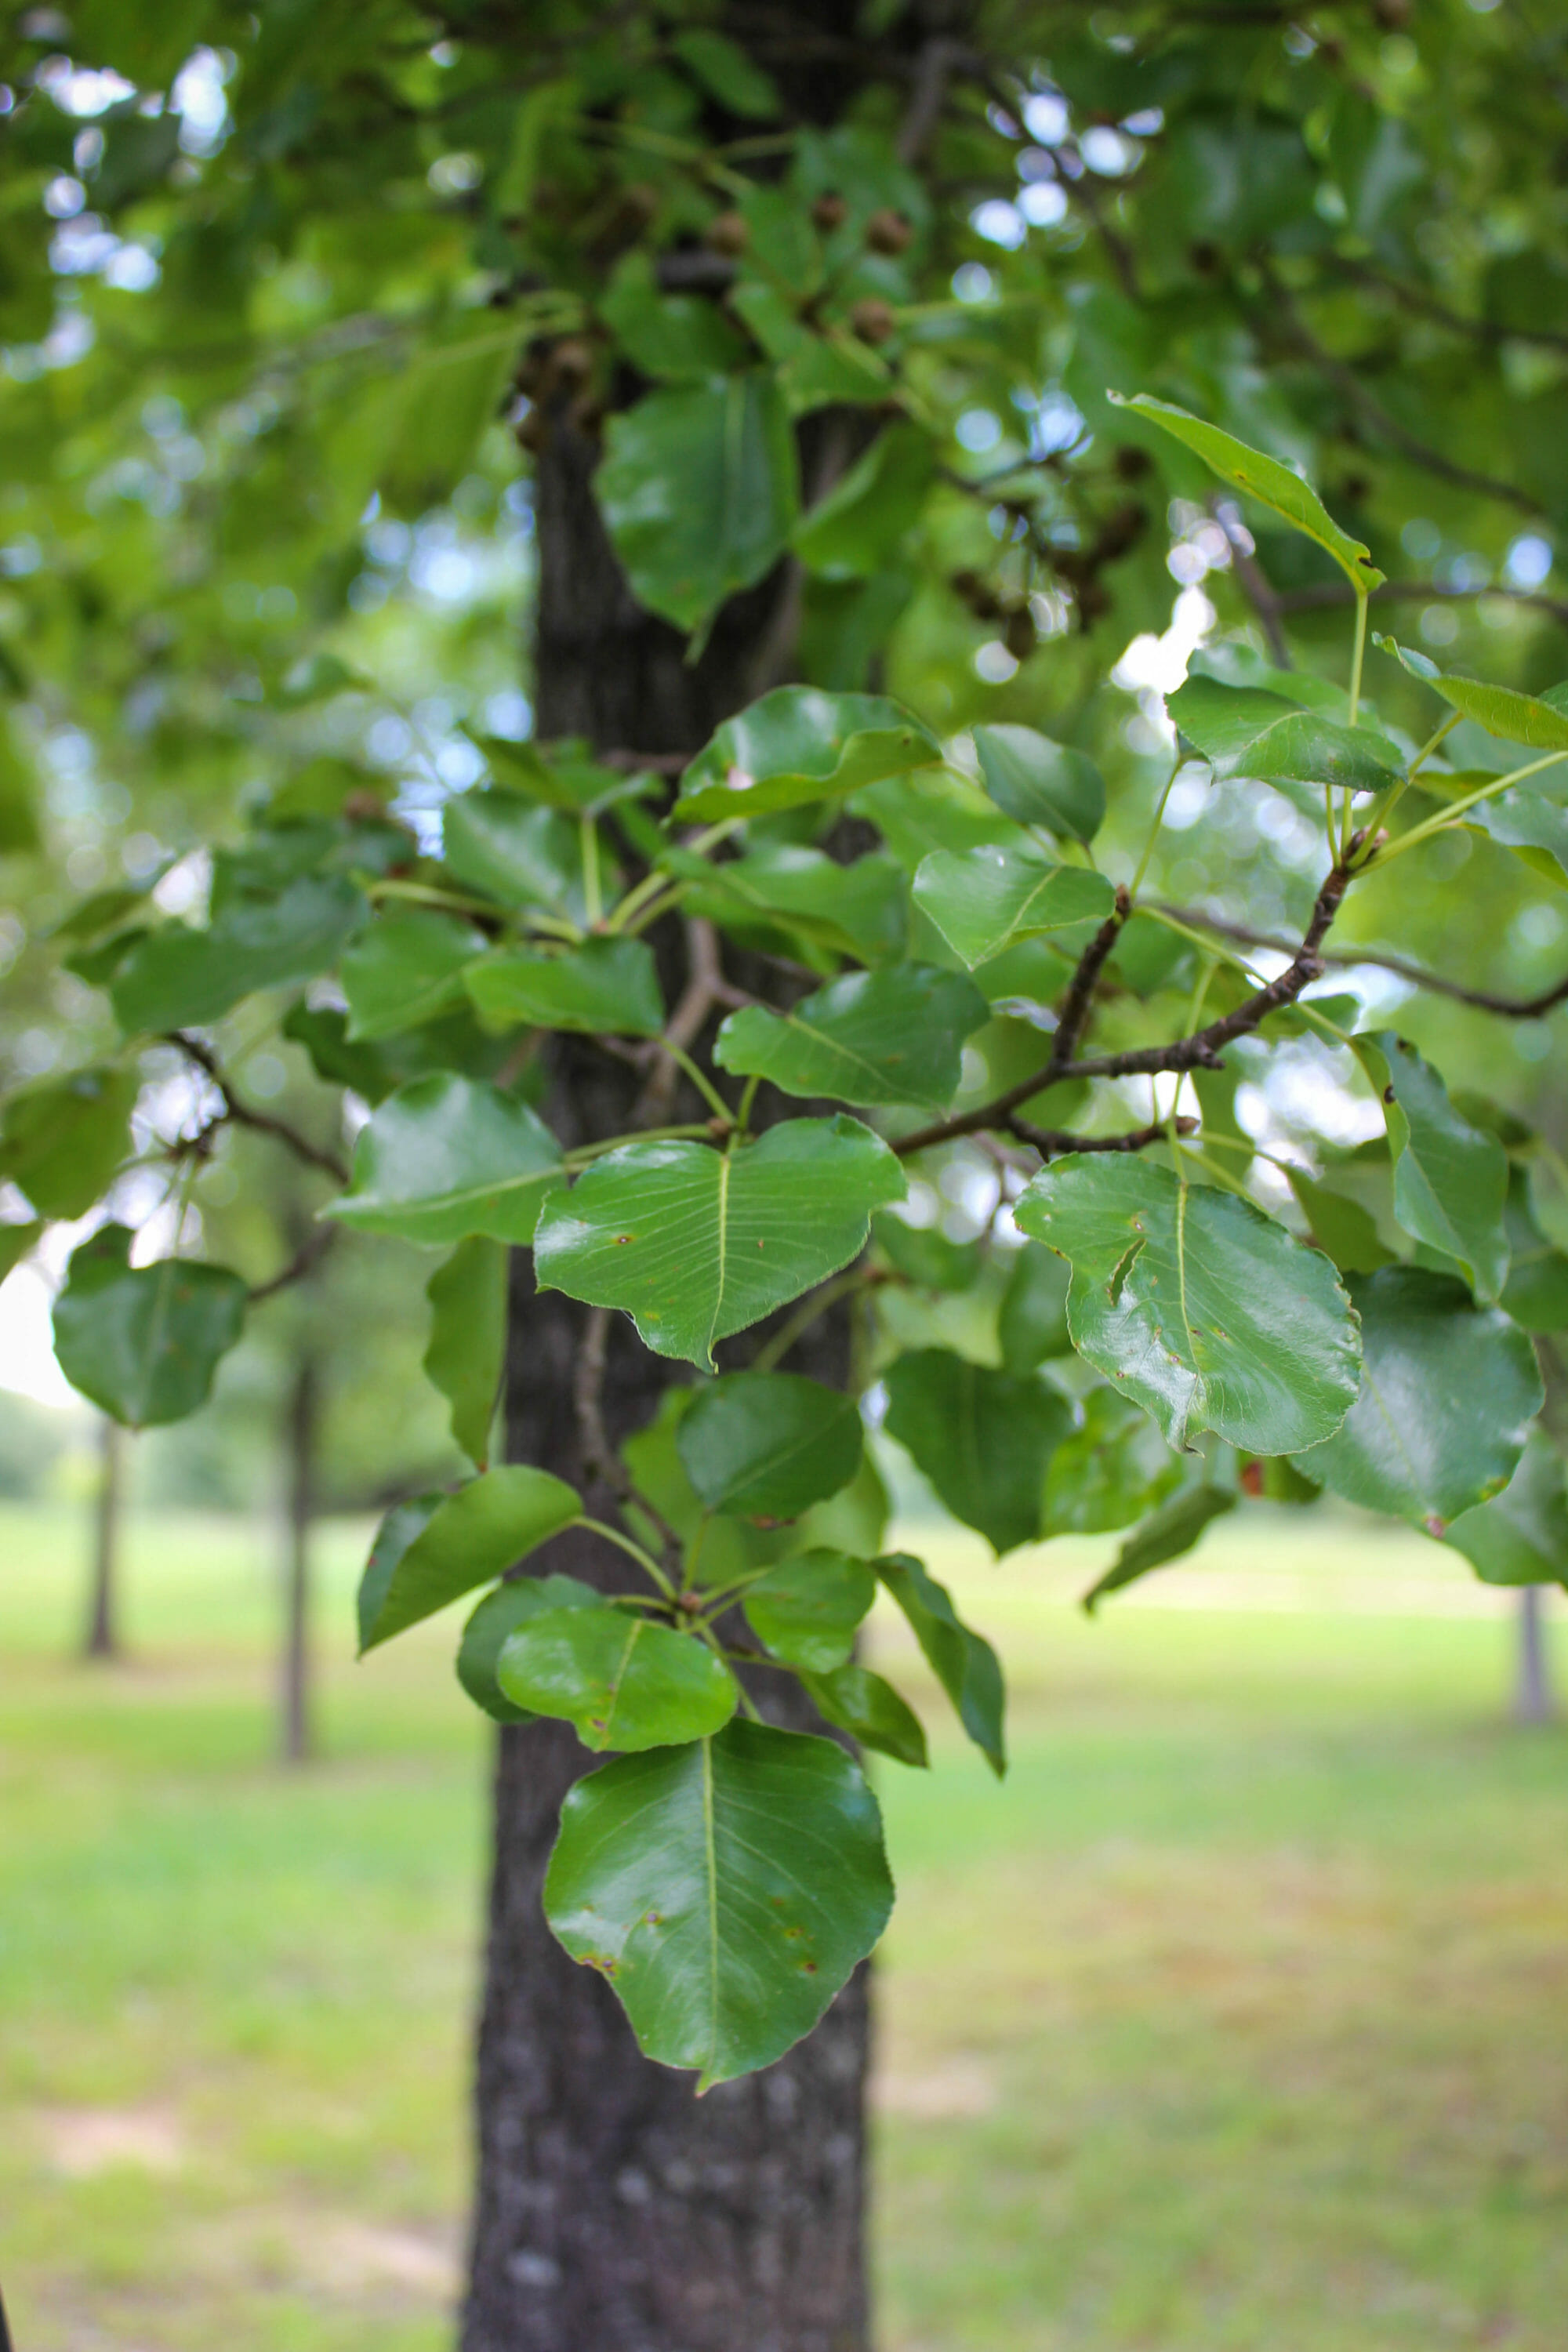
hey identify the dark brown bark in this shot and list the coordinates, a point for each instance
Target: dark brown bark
(616, 2211)
(102, 1617)
(296, 1734)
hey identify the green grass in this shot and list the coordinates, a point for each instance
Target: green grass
(1232, 2022)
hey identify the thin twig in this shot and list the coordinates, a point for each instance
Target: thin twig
(239, 1114)
(304, 1261)
(600, 1458)
(1051, 1142)
(1515, 1008)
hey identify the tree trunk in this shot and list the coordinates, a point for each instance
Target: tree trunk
(102, 1620)
(616, 2211)
(1532, 1696)
(296, 1739)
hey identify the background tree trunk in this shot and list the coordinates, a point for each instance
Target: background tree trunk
(616, 2211)
(102, 1616)
(296, 1739)
(1533, 1696)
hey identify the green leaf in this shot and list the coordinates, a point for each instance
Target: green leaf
(984, 899)
(562, 776)
(1243, 732)
(604, 988)
(1536, 1291)
(1341, 1228)
(807, 1611)
(621, 1680)
(470, 1538)
(859, 525)
(859, 911)
(177, 979)
(727, 1889)
(497, 1618)
(1448, 1390)
(798, 745)
(963, 1662)
(1171, 1529)
(516, 852)
(143, 1342)
(1031, 1321)
(467, 1353)
(1207, 1311)
(870, 1710)
(1502, 711)
(1041, 783)
(1450, 1179)
(1263, 478)
(696, 1244)
(18, 794)
(680, 337)
(16, 1241)
(699, 492)
(982, 1438)
(924, 1255)
(728, 74)
(396, 1532)
(1110, 1471)
(446, 1157)
(405, 969)
(61, 1140)
(767, 1446)
(895, 1036)
(1520, 1537)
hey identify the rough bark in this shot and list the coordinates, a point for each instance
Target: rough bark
(616, 2212)
(296, 1737)
(102, 1617)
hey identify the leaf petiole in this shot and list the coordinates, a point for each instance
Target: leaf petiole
(634, 1550)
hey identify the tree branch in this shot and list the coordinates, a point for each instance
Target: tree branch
(304, 1261)
(239, 1114)
(1516, 1008)
(1326, 592)
(1052, 1142)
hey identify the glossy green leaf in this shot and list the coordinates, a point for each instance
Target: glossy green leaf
(604, 988)
(1243, 732)
(924, 1255)
(469, 1539)
(986, 899)
(406, 969)
(1041, 783)
(807, 1610)
(1450, 1179)
(492, 1624)
(982, 1438)
(1169, 1531)
(1502, 711)
(857, 528)
(1207, 1311)
(176, 978)
(1520, 1537)
(726, 1889)
(396, 1532)
(1263, 478)
(767, 1446)
(467, 1352)
(798, 745)
(61, 1140)
(861, 909)
(1032, 1320)
(695, 1244)
(1447, 1392)
(145, 1341)
(446, 1157)
(623, 1681)
(1110, 1471)
(516, 852)
(698, 491)
(895, 1036)
(866, 1706)
(962, 1660)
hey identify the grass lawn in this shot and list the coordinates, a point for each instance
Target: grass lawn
(1232, 2022)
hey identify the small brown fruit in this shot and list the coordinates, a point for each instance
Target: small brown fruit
(571, 362)
(829, 212)
(873, 320)
(726, 233)
(889, 232)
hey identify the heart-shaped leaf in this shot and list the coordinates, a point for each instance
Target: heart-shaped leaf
(1243, 732)
(982, 1438)
(623, 1681)
(806, 1610)
(606, 988)
(179, 979)
(1447, 1392)
(1520, 1537)
(1206, 1310)
(988, 898)
(62, 1138)
(962, 1660)
(699, 490)
(446, 1157)
(1502, 711)
(405, 969)
(422, 1559)
(798, 745)
(1263, 478)
(145, 1341)
(870, 1710)
(496, 1619)
(726, 1889)
(1450, 1179)
(467, 1353)
(695, 1244)
(895, 1036)
(1041, 783)
(767, 1446)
